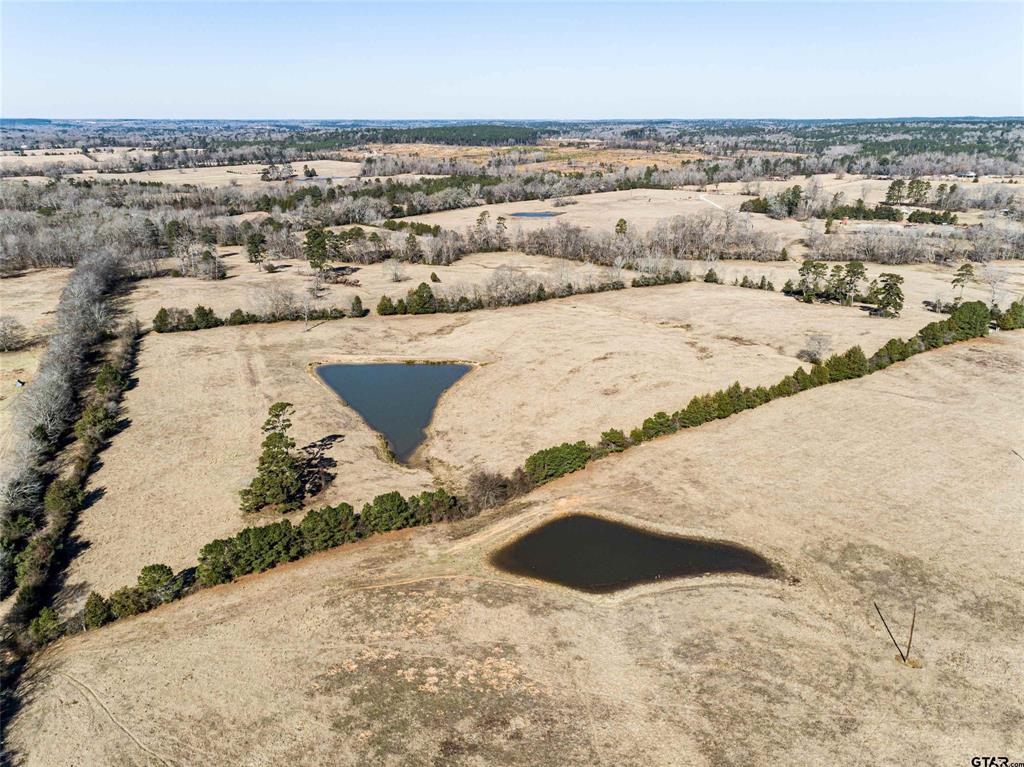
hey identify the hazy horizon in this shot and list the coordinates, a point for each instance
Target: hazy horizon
(526, 61)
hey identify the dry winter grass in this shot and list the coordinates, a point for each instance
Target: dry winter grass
(898, 488)
(561, 370)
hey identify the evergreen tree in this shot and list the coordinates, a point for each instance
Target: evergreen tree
(890, 295)
(277, 482)
(328, 527)
(97, 611)
(421, 300)
(158, 583)
(255, 247)
(385, 306)
(964, 275)
(162, 321)
(45, 627)
(127, 601)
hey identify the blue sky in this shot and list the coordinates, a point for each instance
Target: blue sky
(526, 60)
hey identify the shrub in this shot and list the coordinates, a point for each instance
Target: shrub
(97, 423)
(421, 300)
(970, 320)
(386, 306)
(63, 497)
(711, 276)
(162, 321)
(487, 490)
(12, 335)
(851, 364)
(613, 440)
(214, 563)
(328, 527)
(356, 307)
(158, 584)
(694, 414)
(545, 465)
(936, 334)
(110, 379)
(1012, 318)
(389, 511)
(255, 549)
(437, 506)
(97, 611)
(129, 600)
(204, 317)
(45, 627)
(657, 425)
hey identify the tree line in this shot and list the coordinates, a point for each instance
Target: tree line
(969, 320)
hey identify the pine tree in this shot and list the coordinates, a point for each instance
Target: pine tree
(277, 481)
(162, 321)
(97, 611)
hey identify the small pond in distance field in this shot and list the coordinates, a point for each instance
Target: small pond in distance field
(537, 214)
(395, 399)
(600, 556)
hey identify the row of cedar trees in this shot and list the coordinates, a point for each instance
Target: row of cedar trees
(176, 320)
(969, 320)
(255, 549)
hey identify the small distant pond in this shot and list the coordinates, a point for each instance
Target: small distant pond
(538, 214)
(395, 399)
(600, 556)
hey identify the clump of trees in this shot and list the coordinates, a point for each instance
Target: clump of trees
(507, 287)
(176, 320)
(703, 237)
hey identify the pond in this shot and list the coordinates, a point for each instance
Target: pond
(538, 214)
(600, 556)
(395, 399)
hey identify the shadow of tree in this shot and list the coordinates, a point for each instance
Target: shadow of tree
(316, 474)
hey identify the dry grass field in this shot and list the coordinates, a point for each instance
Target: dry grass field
(645, 208)
(246, 286)
(411, 650)
(237, 175)
(31, 299)
(561, 370)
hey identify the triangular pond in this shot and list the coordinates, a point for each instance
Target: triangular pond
(395, 399)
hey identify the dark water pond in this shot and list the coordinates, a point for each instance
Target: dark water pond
(599, 556)
(395, 399)
(539, 214)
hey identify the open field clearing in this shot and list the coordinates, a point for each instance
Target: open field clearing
(558, 155)
(411, 649)
(642, 209)
(31, 299)
(557, 371)
(241, 175)
(246, 286)
(37, 159)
